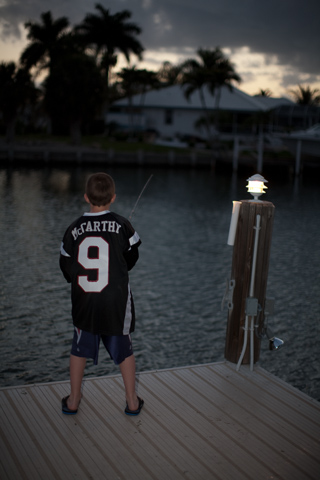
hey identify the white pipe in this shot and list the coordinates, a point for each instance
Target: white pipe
(255, 252)
(251, 293)
(233, 222)
(251, 343)
(244, 343)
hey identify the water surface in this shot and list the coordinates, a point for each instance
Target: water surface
(183, 219)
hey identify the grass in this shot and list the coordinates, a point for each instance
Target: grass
(95, 141)
(123, 146)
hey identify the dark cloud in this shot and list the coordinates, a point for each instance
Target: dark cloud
(287, 30)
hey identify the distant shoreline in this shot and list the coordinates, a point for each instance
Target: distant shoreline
(46, 153)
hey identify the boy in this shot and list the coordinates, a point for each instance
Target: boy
(97, 251)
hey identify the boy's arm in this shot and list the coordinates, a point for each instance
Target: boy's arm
(65, 263)
(131, 256)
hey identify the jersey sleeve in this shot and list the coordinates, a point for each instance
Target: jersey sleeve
(66, 259)
(131, 257)
(131, 254)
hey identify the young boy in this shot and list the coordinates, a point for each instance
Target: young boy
(97, 251)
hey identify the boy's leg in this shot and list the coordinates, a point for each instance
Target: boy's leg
(77, 366)
(128, 372)
(120, 350)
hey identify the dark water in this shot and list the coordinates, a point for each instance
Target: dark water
(183, 219)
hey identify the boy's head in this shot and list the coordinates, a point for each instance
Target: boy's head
(100, 189)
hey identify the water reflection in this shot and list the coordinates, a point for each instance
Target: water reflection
(178, 284)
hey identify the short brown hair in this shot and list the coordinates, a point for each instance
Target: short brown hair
(100, 189)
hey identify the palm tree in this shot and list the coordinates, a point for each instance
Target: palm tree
(74, 93)
(169, 74)
(47, 41)
(211, 72)
(135, 81)
(264, 93)
(129, 87)
(52, 44)
(306, 95)
(108, 34)
(17, 90)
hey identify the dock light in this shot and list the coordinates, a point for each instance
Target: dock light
(256, 186)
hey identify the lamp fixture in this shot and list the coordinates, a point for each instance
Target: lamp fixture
(256, 186)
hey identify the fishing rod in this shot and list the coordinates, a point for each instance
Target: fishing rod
(137, 376)
(138, 199)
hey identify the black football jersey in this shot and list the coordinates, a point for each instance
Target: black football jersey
(97, 251)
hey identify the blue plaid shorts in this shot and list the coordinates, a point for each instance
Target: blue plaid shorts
(87, 344)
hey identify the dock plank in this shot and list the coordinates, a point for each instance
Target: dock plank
(199, 422)
(247, 420)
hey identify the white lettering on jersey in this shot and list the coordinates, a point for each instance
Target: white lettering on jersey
(111, 227)
(74, 234)
(118, 227)
(101, 226)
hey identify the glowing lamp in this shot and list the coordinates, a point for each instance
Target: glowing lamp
(256, 186)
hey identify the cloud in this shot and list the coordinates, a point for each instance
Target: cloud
(286, 31)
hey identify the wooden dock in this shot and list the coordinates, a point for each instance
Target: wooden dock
(199, 422)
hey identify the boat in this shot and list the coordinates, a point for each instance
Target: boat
(306, 142)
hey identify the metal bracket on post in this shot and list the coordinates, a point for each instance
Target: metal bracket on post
(228, 296)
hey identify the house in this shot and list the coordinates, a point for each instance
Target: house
(171, 115)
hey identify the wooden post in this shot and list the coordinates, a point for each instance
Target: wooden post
(298, 157)
(241, 274)
(260, 153)
(235, 155)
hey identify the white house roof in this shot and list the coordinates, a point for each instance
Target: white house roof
(173, 97)
(271, 102)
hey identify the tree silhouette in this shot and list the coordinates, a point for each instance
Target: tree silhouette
(212, 71)
(264, 93)
(17, 90)
(136, 81)
(169, 74)
(74, 92)
(108, 34)
(47, 42)
(306, 95)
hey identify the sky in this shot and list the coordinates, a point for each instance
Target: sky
(273, 45)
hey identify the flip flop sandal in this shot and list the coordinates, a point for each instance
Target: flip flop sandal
(134, 412)
(65, 409)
